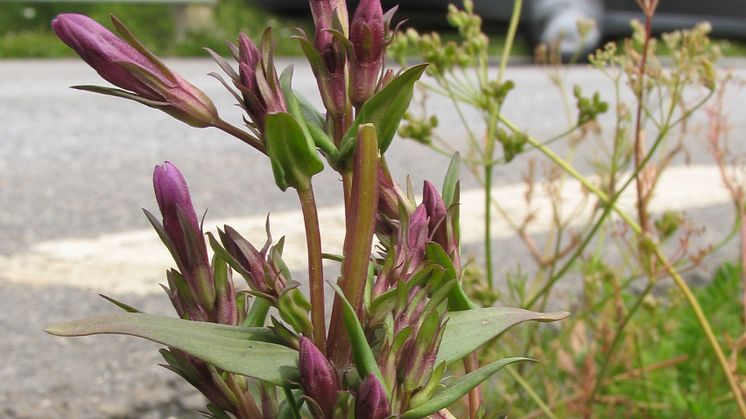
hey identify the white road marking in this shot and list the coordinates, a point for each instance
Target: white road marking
(135, 261)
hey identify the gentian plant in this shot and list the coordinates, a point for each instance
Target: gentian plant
(401, 323)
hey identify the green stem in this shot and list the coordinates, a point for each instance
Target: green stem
(531, 393)
(510, 38)
(241, 135)
(290, 398)
(488, 224)
(471, 363)
(315, 269)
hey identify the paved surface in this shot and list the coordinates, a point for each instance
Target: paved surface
(76, 168)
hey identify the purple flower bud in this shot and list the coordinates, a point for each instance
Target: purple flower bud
(441, 225)
(130, 66)
(103, 51)
(436, 211)
(419, 354)
(333, 90)
(388, 195)
(323, 12)
(371, 401)
(261, 275)
(249, 58)
(318, 377)
(417, 235)
(368, 41)
(184, 232)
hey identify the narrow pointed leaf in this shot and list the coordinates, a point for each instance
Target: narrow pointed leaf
(293, 155)
(127, 308)
(253, 352)
(365, 361)
(451, 180)
(310, 120)
(457, 298)
(384, 110)
(449, 395)
(158, 227)
(223, 64)
(109, 91)
(258, 312)
(469, 329)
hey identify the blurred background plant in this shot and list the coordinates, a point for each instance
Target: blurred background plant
(25, 31)
(635, 346)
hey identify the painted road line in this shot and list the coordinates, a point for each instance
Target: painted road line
(135, 261)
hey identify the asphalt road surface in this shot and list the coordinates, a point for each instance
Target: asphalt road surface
(75, 169)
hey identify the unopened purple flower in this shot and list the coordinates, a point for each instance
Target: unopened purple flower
(436, 212)
(367, 34)
(127, 64)
(263, 277)
(323, 12)
(184, 232)
(333, 89)
(248, 60)
(175, 203)
(370, 400)
(318, 377)
(417, 236)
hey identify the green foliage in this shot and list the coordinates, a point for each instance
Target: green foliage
(695, 386)
(25, 30)
(466, 331)
(292, 152)
(458, 388)
(384, 110)
(254, 352)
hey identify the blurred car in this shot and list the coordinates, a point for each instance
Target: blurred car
(556, 20)
(546, 21)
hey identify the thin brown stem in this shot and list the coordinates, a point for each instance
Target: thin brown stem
(639, 151)
(475, 395)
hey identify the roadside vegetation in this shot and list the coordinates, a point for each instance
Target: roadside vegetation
(640, 341)
(416, 327)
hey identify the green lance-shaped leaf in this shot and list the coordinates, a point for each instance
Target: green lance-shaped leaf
(365, 361)
(384, 110)
(450, 181)
(292, 153)
(457, 298)
(469, 329)
(253, 352)
(257, 313)
(126, 307)
(447, 396)
(310, 119)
